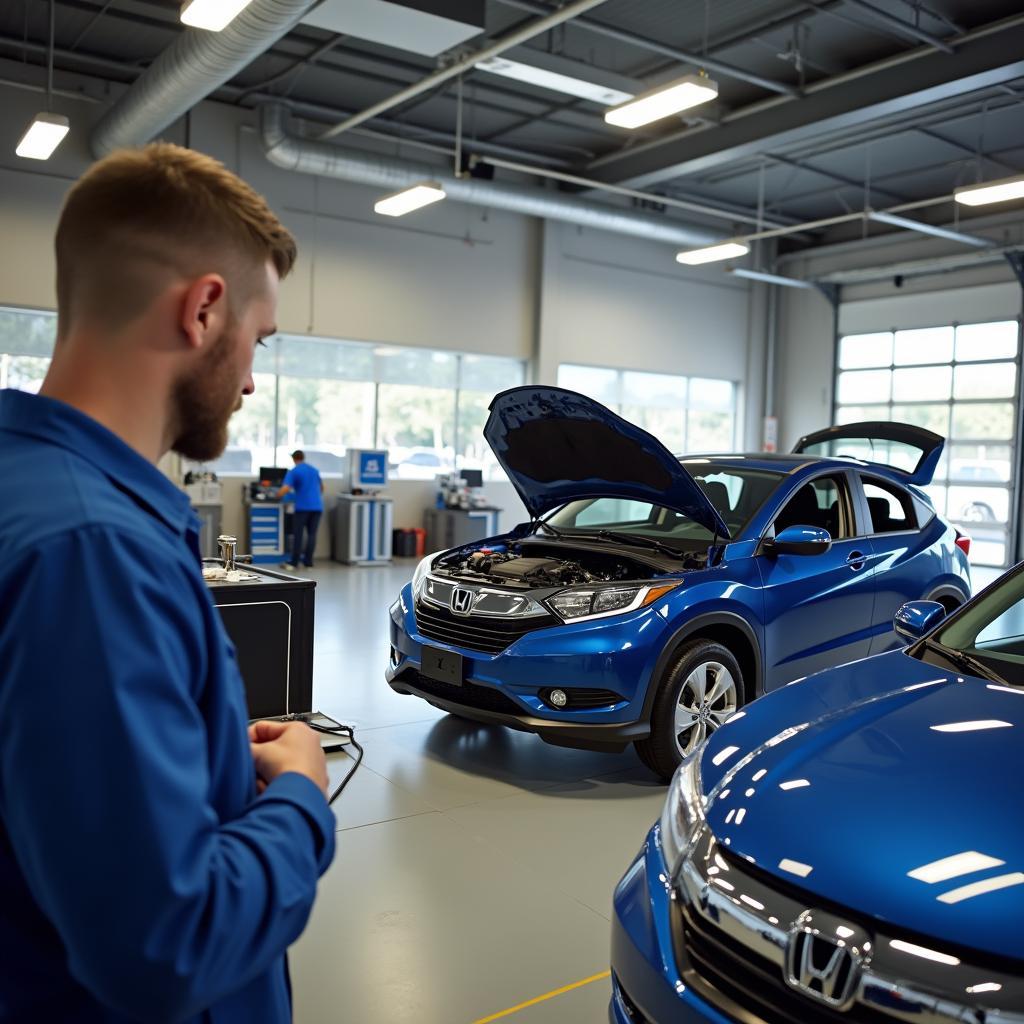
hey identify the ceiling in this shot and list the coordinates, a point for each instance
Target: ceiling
(824, 106)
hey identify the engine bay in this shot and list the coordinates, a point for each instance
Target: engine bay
(542, 565)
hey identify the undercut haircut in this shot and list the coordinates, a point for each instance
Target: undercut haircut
(141, 218)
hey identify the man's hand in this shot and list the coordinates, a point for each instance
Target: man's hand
(279, 747)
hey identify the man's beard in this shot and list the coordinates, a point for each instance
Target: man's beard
(204, 402)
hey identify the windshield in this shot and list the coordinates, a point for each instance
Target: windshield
(735, 493)
(992, 631)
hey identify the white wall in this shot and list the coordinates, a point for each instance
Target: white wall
(454, 276)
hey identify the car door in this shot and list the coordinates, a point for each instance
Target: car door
(818, 608)
(907, 556)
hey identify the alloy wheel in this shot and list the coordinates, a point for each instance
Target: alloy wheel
(707, 699)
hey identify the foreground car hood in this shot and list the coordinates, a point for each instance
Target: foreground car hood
(557, 446)
(881, 796)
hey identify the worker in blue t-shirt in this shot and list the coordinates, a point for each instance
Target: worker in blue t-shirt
(305, 481)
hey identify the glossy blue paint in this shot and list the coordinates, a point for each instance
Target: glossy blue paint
(557, 446)
(798, 614)
(876, 788)
(800, 540)
(915, 618)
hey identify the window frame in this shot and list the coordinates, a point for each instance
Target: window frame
(850, 515)
(904, 496)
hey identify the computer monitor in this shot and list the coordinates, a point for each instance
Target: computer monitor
(272, 476)
(473, 477)
(367, 469)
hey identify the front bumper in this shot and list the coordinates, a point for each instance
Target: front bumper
(647, 987)
(618, 655)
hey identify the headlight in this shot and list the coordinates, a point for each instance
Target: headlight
(683, 813)
(595, 602)
(421, 573)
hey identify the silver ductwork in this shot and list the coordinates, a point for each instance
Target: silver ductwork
(309, 157)
(190, 69)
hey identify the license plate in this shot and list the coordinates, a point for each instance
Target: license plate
(444, 666)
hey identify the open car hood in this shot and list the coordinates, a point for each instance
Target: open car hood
(558, 446)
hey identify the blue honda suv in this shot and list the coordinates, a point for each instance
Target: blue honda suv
(650, 597)
(848, 849)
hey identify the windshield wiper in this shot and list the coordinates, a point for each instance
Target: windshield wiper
(965, 662)
(547, 526)
(640, 542)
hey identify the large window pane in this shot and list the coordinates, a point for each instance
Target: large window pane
(861, 413)
(706, 393)
(864, 386)
(593, 381)
(26, 332)
(660, 389)
(23, 373)
(986, 341)
(474, 452)
(415, 366)
(709, 432)
(980, 463)
(417, 426)
(920, 385)
(321, 358)
(860, 351)
(930, 345)
(983, 421)
(931, 417)
(491, 373)
(667, 425)
(989, 380)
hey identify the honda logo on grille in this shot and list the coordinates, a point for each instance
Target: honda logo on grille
(462, 601)
(824, 958)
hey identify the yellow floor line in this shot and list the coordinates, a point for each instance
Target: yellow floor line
(544, 998)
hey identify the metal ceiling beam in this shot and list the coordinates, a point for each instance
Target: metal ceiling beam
(896, 221)
(641, 42)
(984, 58)
(840, 179)
(901, 27)
(531, 30)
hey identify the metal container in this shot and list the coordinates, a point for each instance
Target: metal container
(227, 546)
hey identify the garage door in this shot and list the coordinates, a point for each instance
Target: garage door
(961, 381)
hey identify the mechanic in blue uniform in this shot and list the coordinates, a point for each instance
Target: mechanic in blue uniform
(305, 481)
(156, 858)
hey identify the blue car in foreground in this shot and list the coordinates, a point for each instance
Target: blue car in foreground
(848, 849)
(650, 597)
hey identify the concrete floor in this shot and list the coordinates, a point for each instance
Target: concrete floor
(475, 865)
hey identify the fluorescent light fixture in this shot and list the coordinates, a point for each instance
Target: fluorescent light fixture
(212, 15)
(412, 198)
(43, 136)
(953, 867)
(929, 229)
(966, 892)
(665, 100)
(553, 80)
(991, 192)
(712, 254)
(794, 867)
(924, 953)
(760, 275)
(972, 726)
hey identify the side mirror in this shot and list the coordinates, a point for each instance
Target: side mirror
(916, 618)
(799, 540)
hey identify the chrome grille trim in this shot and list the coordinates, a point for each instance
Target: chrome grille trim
(923, 989)
(488, 602)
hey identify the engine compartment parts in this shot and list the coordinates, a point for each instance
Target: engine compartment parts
(521, 566)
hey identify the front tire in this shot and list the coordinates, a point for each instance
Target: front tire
(701, 690)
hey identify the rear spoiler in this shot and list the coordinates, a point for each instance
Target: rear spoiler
(911, 451)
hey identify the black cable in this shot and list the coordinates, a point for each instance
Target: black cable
(341, 730)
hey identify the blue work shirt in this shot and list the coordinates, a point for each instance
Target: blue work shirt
(304, 480)
(141, 877)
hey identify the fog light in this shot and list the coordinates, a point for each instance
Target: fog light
(558, 698)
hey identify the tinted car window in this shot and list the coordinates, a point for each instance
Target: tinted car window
(891, 508)
(818, 503)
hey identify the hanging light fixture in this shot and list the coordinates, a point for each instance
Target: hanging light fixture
(712, 253)
(47, 129)
(1001, 191)
(398, 204)
(665, 100)
(211, 15)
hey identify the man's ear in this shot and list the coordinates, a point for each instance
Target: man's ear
(203, 309)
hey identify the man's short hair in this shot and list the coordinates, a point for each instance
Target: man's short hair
(298, 455)
(141, 217)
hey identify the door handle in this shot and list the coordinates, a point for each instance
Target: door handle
(856, 561)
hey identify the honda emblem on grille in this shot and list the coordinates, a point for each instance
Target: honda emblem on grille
(824, 958)
(462, 601)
